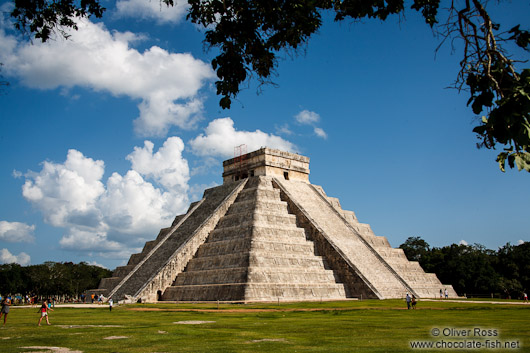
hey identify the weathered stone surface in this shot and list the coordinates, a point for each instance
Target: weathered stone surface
(259, 245)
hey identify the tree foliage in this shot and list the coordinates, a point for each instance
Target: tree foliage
(50, 278)
(250, 35)
(43, 17)
(473, 269)
(415, 248)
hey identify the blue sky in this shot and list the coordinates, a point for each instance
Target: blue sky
(104, 138)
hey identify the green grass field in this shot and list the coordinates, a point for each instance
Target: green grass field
(350, 326)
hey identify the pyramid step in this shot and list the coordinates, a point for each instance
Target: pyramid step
(163, 232)
(224, 247)
(206, 292)
(109, 282)
(259, 194)
(258, 232)
(135, 259)
(215, 276)
(148, 246)
(122, 271)
(295, 292)
(256, 206)
(288, 261)
(249, 218)
(235, 245)
(300, 246)
(295, 275)
(218, 262)
(284, 261)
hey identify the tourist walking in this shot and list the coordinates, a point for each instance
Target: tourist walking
(110, 304)
(413, 302)
(44, 312)
(408, 300)
(6, 303)
(525, 297)
(446, 293)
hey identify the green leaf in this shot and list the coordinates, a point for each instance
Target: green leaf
(501, 158)
(522, 159)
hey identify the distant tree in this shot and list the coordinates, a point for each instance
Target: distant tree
(514, 268)
(251, 33)
(470, 269)
(51, 278)
(415, 248)
(13, 279)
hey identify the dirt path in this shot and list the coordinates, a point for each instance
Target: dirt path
(474, 301)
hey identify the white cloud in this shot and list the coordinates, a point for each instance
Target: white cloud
(132, 205)
(94, 263)
(307, 117)
(82, 240)
(115, 216)
(221, 137)
(63, 190)
(463, 242)
(167, 166)
(7, 258)
(520, 242)
(16, 232)
(283, 130)
(152, 9)
(320, 133)
(167, 84)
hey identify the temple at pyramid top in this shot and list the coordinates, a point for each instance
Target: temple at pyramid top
(267, 162)
(268, 234)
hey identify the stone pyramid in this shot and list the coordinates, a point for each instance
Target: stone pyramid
(267, 234)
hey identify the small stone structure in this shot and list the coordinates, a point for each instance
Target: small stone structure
(267, 234)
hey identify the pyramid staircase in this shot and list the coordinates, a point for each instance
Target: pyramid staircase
(388, 270)
(257, 253)
(147, 274)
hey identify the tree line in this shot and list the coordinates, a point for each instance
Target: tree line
(50, 279)
(474, 270)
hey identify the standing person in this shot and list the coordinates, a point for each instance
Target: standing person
(525, 297)
(440, 293)
(407, 299)
(44, 312)
(413, 302)
(110, 304)
(446, 293)
(6, 303)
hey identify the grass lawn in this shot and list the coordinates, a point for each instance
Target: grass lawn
(350, 326)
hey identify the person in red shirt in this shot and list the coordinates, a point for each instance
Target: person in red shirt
(44, 312)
